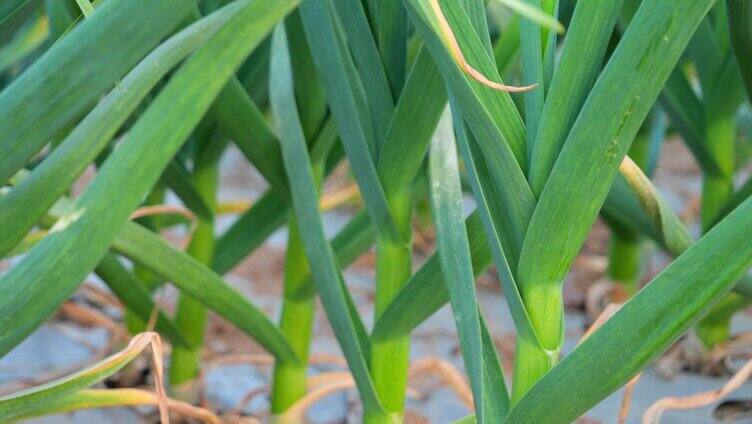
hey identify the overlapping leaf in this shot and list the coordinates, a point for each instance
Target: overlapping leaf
(49, 273)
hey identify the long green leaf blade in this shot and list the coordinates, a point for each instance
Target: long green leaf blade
(454, 255)
(149, 250)
(392, 32)
(412, 125)
(249, 231)
(206, 287)
(581, 60)
(603, 132)
(490, 112)
(531, 45)
(49, 273)
(645, 326)
(321, 31)
(480, 106)
(368, 62)
(326, 273)
(30, 199)
(59, 86)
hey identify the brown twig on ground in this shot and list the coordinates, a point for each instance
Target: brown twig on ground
(331, 199)
(92, 318)
(327, 378)
(653, 413)
(448, 374)
(325, 384)
(339, 197)
(268, 360)
(188, 410)
(320, 392)
(626, 400)
(100, 296)
(245, 400)
(239, 358)
(327, 358)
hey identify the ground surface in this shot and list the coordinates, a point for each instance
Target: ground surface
(65, 345)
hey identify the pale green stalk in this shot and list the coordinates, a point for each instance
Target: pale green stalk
(290, 380)
(185, 365)
(297, 322)
(390, 358)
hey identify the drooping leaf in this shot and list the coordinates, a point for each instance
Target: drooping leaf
(111, 398)
(148, 250)
(22, 403)
(30, 199)
(49, 273)
(193, 278)
(63, 83)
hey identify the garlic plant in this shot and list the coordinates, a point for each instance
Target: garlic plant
(410, 95)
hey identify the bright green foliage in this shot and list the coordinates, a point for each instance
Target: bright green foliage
(454, 255)
(149, 94)
(326, 272)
